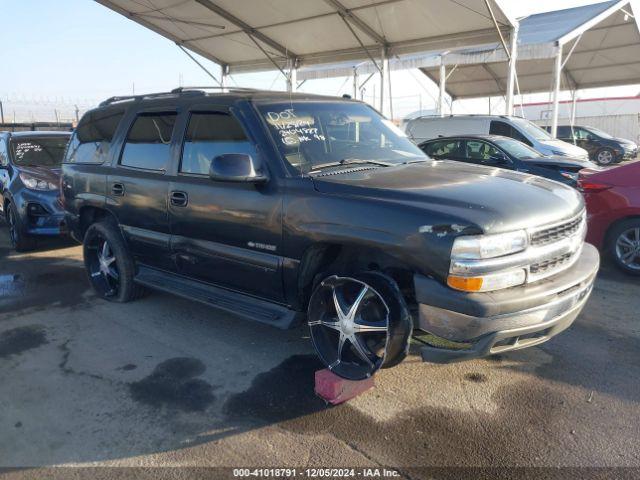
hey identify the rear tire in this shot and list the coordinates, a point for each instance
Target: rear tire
(623, 245)
(19, 240)
(359, 324)
(109, 264)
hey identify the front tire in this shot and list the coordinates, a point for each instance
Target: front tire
(624, 246)
(109, 264)
(359, 324)
(19, 240)
(606, 157)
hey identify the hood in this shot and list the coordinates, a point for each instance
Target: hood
(623, 141)
(492, 199)
(567, 147)
(48, 174)
(557, 160)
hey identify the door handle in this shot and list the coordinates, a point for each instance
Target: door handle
(117, 189)
(179, 199)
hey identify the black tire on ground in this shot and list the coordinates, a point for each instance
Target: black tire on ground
(623, 246)
(109, 264)
(19, 240)
(605, 157)
(372, 331)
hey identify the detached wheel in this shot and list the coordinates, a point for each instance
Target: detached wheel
(359, 324)
(19, 241)
(109, 264)
(624, 246)
(605, 157)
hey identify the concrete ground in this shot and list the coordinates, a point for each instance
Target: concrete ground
(167, 382)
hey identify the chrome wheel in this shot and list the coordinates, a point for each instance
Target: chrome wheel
(349, 323)
(627, 248)
(605, 157)
(103, 268)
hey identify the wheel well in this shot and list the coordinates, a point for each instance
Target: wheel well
(332, 258)
(607, 235)
(90, 215)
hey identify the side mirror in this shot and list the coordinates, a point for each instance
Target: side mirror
(237, 167)
(499, 158)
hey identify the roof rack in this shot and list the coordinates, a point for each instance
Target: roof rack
(125, 98)
(202, 89)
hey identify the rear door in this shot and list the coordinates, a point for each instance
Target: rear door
(224, 233)
(137, 187)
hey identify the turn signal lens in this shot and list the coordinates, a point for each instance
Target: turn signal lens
(587, 186)
(488, 283)
(466, 284)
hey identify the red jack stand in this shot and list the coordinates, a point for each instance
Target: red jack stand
(335, 389)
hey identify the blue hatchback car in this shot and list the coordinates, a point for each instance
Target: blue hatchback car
(29, 185)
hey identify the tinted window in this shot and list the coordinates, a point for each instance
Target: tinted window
(3, 153)
(506, 130)
(91, 141)
(148, 143)
(210, 135)
(445, 149)
(38, 151)
(564, 132)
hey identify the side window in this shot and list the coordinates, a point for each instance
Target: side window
(515, 133)
(148, 144)
(445, 149)
(209, 135)
(4, 160)
(482, 152)
(500, 128)
(564, 132)
(92, 138)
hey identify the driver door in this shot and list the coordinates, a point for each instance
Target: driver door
(224, 233)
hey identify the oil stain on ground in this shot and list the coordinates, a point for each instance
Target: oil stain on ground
(21, 339)
(172, 384)
(284, 392)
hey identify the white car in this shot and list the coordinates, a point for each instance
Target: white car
(427, 128)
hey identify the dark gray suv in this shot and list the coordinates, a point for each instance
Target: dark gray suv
(281, 207)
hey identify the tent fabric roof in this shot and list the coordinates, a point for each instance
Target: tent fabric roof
(252, 35)
(601, 48)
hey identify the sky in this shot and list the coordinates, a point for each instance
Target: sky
(63, 53)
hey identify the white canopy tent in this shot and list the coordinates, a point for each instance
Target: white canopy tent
(254, 35)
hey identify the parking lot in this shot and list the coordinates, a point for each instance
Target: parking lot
(166, 382)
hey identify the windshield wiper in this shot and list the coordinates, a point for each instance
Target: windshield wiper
(417, 160)
(350, 161)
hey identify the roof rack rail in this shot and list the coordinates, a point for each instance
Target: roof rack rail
(230, 89)
(124, 98)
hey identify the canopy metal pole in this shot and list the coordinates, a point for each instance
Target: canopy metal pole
(511, 81)
(574, 107)
(355, 83)
(292, 78)
(557, 72)
(383, 74)
(224, 76)
(390, 93)
(443, 84)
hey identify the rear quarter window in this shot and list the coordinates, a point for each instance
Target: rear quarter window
(92, 138)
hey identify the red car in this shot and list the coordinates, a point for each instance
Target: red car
(613, 209)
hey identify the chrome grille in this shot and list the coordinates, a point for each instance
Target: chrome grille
(551, 264)
(557, 232)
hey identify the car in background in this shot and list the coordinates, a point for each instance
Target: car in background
(603, 148)
(426, 128)
(503, 152)
(30, 164)
(613, 211)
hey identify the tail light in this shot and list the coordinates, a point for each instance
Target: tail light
(588, 186)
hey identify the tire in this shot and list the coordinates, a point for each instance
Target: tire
(605, 157)
(19, 240)
(109, 264)
(359, 323)
(623, 245)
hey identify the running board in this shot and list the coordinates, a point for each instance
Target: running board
(235, 303)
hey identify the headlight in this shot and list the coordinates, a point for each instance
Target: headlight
(37, 184)
(479, 247)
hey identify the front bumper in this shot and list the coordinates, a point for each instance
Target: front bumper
(472, 325)
(41, 212)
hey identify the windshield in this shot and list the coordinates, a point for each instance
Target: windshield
(316, 135)
(38, 151)
(517, 149)
(598, 133)
(531, 129)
